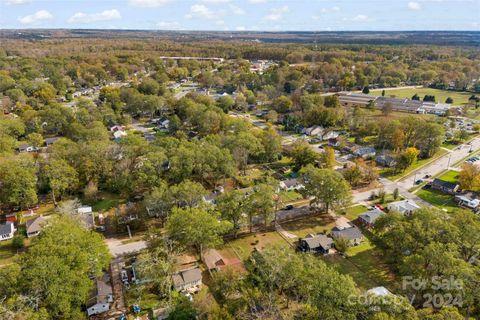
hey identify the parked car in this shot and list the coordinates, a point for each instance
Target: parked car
(289, 207)
(419, 181)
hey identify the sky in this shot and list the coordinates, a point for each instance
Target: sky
(239, 15)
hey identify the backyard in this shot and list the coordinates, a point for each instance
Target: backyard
(438, 199)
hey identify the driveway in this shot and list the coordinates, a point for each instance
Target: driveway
(117, 248)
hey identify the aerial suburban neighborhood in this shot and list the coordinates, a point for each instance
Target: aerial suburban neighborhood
(169, 172)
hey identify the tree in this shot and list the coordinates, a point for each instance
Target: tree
(328, 158)
(57, 267)
(35, 139)
(383, 93)
(282, 104)
(387, 109)
(341, 244)
(331, 101)
(395, 194)
(61, 177)
(232, 205)
(262, 202)
(19, 183)
(272, 143)
(225, 103)
(366, 90)
(416, 97)
(469, 177)
(407, 158)
(302, 154)
(196, 227)
(327, 187)
(449, 100)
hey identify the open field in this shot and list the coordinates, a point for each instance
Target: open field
(438, 199)
(365, 265)
(459, 98)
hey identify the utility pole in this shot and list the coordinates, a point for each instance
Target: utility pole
(449, 158)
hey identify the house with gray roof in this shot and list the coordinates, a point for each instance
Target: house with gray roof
(188, 280)
(352, 234)
(102, 296)
(368, 218)
(7, 230)
(405, 207)
(35, 226)
(319, 243)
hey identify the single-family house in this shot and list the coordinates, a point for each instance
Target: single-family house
(164, 123)
(213, 260)
(319, 243)
(26, 148)
(313, 131)
(445, 186)
(291, 184)
(50, 141)
(365, 152)
(84, 209)
(119, 134)
(189, 280)
(379, 292)
(385, 161)
(334, 142)
(211, 198)
(368, 218)
(352, 234)
(330, 135)
(34, 226)
(468, 200)
(102, 297)
(7, 230)
(405, 207)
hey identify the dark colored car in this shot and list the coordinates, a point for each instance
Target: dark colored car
(289, 207)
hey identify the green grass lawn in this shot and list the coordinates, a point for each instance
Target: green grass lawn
(438, 199)
(310, 224)
(365, 265)
(353, 212)
(389, 173)
(459, 98)
(6, 252)
(450, 176)
(243, 246)
(108, 201)
(289, 196)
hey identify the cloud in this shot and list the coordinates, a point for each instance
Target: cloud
(16, 2)
(276, 13)
(36, 17)
(412, 5)
(332, 9)
(200, 11)
(168, 25)
(360, 18)
(149, 3)
(257, 1)
(216, 1)
(106, 15)
(219, 22)
(237, 10)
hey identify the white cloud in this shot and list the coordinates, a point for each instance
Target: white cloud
(257, 1)
(237, 10)
(360, 18)
(106, 15)
(219, 22)
(168, 25)
(36, 17)
(16, 2)
(216, 1)
(276, 13)
(332, 9)
(149, 3)
(412, 5)
(200, 11)
(240, 28)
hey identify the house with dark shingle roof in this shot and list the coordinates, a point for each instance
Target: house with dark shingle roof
(445, 186)
(7, 230)
(319, 243)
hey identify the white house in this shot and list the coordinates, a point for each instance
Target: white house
(7, 231)
(291, 184)
(84, 209)
(189, 280)
(405, 207)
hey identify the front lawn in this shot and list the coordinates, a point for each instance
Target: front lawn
(438, 199)
(352, 213)
(289, 196)
(450, 176)
(309, 225)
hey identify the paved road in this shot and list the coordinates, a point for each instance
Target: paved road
(441, 164)
(117, 248)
